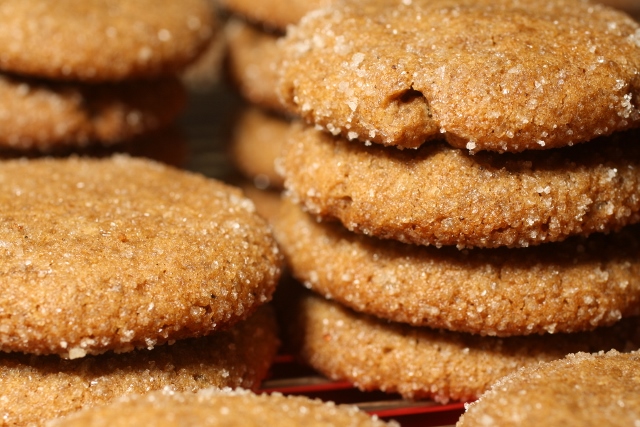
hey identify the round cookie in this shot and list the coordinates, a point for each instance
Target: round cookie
(257, 142)
(102, 40)
(484, 74)
(123, 253)
(575, 285)
(274, 14)
(226, 407)
(42, 115)
(253, 59)
(37, 388)
(439, 195)
(579, 390)
(422, 363)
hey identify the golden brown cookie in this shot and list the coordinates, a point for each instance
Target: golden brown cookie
(253, 59)
(267, 202)
(579, 390)
(484, 74)
(575, 285)
(439, 195)
(123, 253)
(226, 407)
(426, 363)
(36, 388)
(274, 14)
(102, 40)
(44, 115)
(257, 142)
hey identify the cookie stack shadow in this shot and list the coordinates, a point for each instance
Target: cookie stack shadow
(460, 204)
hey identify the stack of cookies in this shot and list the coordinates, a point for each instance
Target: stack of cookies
(122, 276)
(252, 32)
(469, 172)
(82, 73)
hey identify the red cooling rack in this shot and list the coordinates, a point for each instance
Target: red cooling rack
(289, 377)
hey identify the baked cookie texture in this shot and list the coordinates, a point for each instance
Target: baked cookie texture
(575, 285)
(257, 142)
(579, 390)
(229, 408)
(275, 15)
(252, 63)
(439, 195)
(484, 75)
(424, 363)
(102, 40)
(124, 253)
(37, 388)
(50, 115)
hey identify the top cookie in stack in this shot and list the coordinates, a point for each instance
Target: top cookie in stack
(78, 72)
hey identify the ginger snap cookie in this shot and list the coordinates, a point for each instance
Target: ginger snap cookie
(123, 253)
(102, 40)
(46, 115)
(37, 388)
(252, 63)
(575, 285)
(579, 390)
(440, 195)
(275, 15)
(226, 407)
(419, 363)
(484, 75)
(258, 139)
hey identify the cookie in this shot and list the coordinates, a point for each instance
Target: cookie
(124, 253)
(423, 363)
(439, 195)
(267, 202)
(276, 15)
(102, 40)
(229, 408)
(257, 142)
(252, 63)
(46, 116)
(579, 390)
(484, 75)
(575, 285)
(36, 388)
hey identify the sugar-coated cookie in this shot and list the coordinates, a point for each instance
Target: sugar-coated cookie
(257, 141)
(46, 115)
(484, 74)
(579, 390)
(439, 195)
(36, 388)
(275, 15)
(102, 40)
(425, 363)
(253, 61)
(578, 284)
(218, 408)
(121, 253)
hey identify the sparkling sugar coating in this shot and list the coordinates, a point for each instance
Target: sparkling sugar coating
(484, 74)
(36, 114)
(102, 40)
(575, 285)
(226, 407)
(253, 61)
(580, 390)
(423, 363)
(123, 253)
(439, 195)
(37, 388)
